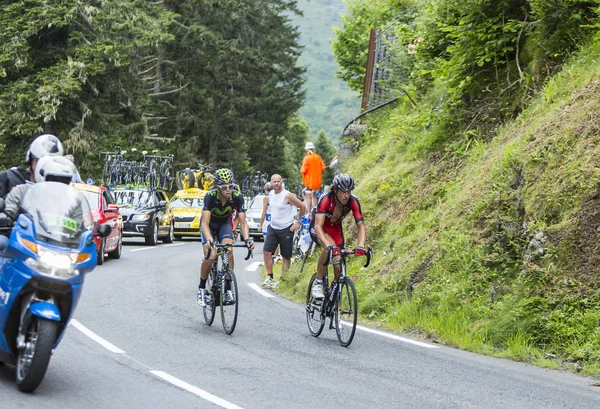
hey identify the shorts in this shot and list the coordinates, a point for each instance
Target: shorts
(335, 232)
(219, 231)
(283, 238)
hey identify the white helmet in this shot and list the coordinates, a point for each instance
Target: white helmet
(309, 145)
(54, 169)
(44, 145)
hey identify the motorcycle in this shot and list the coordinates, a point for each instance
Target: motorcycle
(44, 257)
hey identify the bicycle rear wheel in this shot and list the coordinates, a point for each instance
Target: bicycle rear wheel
(209, 309)
(346, 313)
(314, 316)
(229, 308)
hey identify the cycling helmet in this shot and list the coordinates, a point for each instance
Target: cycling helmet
(44, 145)
(54, 169)
(343, 182)
(309, 145)
(223, 176)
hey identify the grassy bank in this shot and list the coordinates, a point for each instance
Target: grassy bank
(488, 245)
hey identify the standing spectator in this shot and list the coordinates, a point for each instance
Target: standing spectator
(76, 176)
(312, 171)
(281, 230)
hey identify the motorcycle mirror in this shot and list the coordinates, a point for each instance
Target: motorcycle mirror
(104, 230)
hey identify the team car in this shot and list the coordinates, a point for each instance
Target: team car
(104, 211)
(145, 214)
(186, 208)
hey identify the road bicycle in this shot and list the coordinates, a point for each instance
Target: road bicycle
(339, 304)
(220, 280)
(111, 172)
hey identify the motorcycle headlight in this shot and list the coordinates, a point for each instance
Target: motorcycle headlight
(56, 264)
(140, 217)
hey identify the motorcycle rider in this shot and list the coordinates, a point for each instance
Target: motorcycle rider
(43, 145)
(48, 169)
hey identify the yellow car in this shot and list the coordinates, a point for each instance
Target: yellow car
(186, 207)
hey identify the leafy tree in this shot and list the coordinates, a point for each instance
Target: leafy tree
(236, 65)
(66, 70)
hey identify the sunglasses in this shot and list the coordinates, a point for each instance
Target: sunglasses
(226, 187)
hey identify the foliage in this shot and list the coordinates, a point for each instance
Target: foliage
(484, 58)
(210, 81)
(351, 43)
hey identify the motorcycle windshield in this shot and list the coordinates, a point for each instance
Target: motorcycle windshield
(60, 212)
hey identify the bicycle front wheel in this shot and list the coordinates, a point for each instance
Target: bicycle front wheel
(314, 316)
(209, 309)
(229, 302)
(346, 313)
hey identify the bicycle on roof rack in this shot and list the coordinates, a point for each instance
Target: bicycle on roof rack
(152, 171)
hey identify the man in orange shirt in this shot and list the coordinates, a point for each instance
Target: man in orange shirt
(312, 170)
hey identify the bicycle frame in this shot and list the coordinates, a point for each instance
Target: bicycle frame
(317, 310)
(220, 279)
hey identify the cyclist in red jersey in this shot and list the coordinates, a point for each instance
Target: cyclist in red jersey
(326, 229)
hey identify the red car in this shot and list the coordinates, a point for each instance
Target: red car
(104, 211)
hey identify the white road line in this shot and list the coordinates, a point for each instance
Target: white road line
(396, 337)
(195, 390)
(254, 266)
(259, 290)
(143, 249)
(174, 244)
(96, 338)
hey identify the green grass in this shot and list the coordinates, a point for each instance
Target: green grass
(450, 217)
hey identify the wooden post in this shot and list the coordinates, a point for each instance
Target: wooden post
(369, 73)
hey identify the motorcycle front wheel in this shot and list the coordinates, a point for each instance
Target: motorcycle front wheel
(33, 360)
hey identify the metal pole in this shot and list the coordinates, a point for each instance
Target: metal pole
(369, 74)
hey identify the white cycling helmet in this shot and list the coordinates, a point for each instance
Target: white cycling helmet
(309, 145)
(54, 169)
(44, 145)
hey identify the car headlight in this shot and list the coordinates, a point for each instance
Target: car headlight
(56, 264)
(140, 217)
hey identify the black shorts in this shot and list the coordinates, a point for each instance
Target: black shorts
(283, 238)
(219, 231)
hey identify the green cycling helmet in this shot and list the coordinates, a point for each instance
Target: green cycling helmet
(224, 176)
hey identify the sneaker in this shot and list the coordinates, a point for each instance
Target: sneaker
(229, 298)
(201, 297)
(317, 291)
(268, 283)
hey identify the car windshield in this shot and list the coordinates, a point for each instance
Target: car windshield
(186, 202)
(257, 203)
(60, 212)
(133, 198)
(93, 199)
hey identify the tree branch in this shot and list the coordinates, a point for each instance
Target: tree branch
(168, 92)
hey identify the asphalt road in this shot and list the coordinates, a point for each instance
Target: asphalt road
(139, 341)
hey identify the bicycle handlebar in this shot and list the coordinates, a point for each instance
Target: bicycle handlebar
(219, 245)
(344, 252)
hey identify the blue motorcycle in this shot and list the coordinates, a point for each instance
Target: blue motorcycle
(44, 257)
